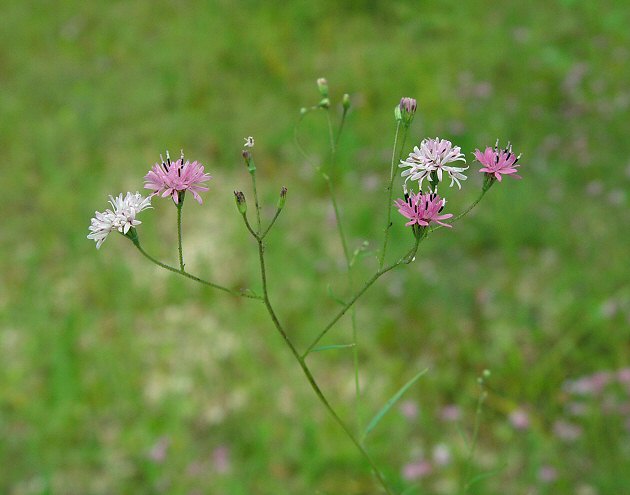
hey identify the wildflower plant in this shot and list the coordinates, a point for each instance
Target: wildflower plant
(421, 208)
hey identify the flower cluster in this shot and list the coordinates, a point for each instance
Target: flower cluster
(121, 216)
(434, 160)
(175, 178)
(167, 179)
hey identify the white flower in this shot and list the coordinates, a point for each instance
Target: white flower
(431, 160)
(121, 217)
(249, 142)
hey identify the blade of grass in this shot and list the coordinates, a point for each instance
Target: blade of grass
(332, 346)
(388, 405)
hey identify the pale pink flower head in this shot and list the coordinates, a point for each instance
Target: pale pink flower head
(422, 209)
(498, 162)
(175, 178)
(121, 216)
(431, 160)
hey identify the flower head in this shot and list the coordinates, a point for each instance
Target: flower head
(498, 162)
(121, 217)
(249, 142)
(172, 178)
(431, 160)
(422, 209)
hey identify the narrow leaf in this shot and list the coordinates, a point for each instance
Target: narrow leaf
(332, 346)
(388, 405)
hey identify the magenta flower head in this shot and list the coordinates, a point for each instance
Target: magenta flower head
(498, 162)
(175, 178)
(422, 209)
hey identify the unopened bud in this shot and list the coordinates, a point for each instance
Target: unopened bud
(322, 85)
(249, 161)
(405, 111)
(283, 198)
(241, 204)
(324, 103)
(345, 102)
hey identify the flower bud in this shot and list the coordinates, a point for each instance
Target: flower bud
(249, 161)
(345, 102)
(322, 85)
(283, 198)
(324, 103)
(405, 111)
(241, 204)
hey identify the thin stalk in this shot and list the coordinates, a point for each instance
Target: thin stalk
(346, 252)
(192, 277)
(465, 212)
(273, 220)
(180, 206)
(331, 191)
(466, 483)
(405, 259)
(390, 188)
(307, 371)
(253, 174)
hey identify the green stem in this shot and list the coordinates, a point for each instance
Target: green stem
(331, 191)
(307, 371)
(253, 174)
(465, 212)
(192, 277)
(390, 185)
(346, 253)
(405, 259)
(180, 206)
(273, 220)
(473, 445)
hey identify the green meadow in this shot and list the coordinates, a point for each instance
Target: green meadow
(117, 377)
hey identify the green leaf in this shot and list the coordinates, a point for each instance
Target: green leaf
(332, 346)
(388, 405)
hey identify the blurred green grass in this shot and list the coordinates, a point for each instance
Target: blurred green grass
(104, 358)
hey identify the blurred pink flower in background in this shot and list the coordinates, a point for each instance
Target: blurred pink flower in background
(409, 409)
(159, 450)
(519, 419)
(547, 474)
(221, 459)
(566, 431)
(450, 412)
(415, 470)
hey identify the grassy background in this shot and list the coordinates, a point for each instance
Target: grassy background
(116, 377)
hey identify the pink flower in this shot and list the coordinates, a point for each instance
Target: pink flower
(519, 419)
(415, 470)
(172, 178)
(497, 162)
(422, 209)
(450, 413)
